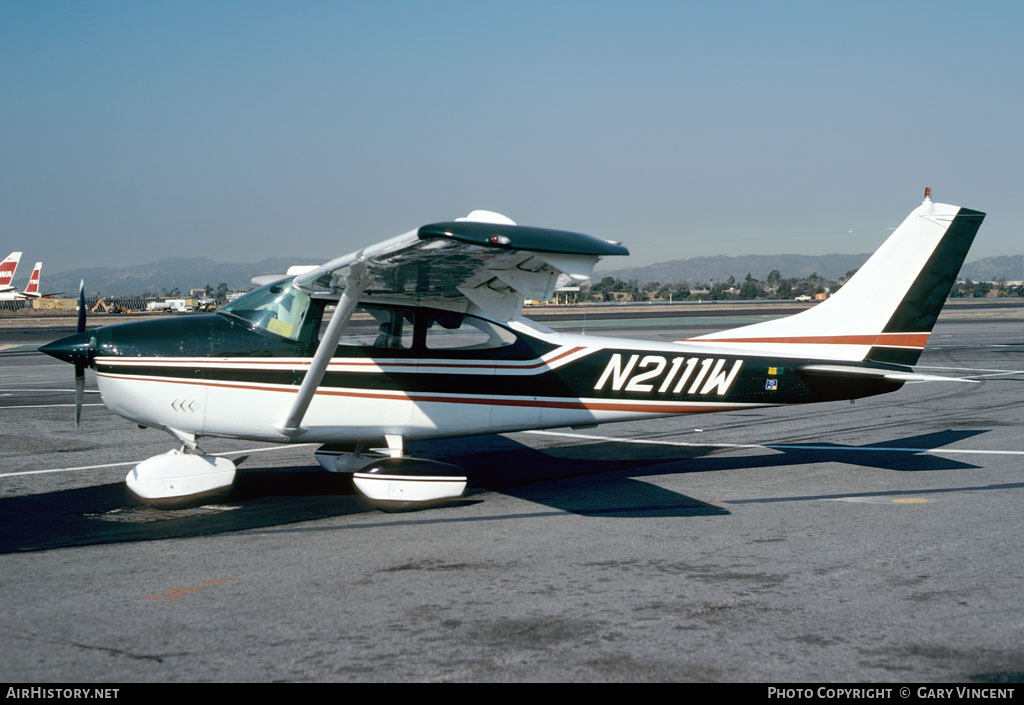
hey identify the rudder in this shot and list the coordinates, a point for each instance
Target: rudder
(887, 310)
(923, 302)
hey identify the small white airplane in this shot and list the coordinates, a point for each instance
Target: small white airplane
(7, 291)
(438, 347)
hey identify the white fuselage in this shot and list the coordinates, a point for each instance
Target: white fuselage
(254, 410)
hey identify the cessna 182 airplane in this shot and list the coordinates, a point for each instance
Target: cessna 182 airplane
(438, 347)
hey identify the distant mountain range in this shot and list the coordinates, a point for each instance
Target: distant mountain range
(703, 269)
(186, 273)
(994, 268)
(183, 273)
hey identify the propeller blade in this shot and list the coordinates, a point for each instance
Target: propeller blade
(79, 366)
(79, 391)
(76, 349)
(81, 306)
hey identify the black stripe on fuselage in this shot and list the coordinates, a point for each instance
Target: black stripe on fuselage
(621, 375)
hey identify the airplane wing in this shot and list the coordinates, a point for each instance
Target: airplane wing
(484, 261)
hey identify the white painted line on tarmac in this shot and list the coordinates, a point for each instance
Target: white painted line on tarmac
(47, 390)
(81, 467)
(968, 369)
(778, 446)
(45, 406)
(136, 462)
(996, 374)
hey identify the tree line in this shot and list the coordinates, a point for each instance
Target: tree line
(973, 289)
(774, 286)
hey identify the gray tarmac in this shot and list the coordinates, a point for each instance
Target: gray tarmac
(877, 541)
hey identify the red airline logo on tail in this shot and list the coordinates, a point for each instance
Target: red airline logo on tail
(33, 283)
(7, 269)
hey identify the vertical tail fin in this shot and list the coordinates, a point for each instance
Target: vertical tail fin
(886, 311)
(7, 269)
(33, 283)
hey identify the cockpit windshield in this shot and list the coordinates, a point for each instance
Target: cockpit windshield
(277, 308)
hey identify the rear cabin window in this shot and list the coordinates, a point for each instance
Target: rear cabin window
(379, 327)
(456, 331)
(398, 328)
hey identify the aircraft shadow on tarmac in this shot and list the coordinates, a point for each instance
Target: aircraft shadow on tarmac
(589, 479)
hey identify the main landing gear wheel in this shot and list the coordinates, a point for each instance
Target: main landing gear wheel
(406, 484)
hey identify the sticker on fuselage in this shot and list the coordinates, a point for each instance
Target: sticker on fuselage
(692, 375)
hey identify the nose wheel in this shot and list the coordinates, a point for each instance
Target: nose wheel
(179, 478)
(405, 484)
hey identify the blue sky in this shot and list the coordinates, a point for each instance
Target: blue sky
(131, 131)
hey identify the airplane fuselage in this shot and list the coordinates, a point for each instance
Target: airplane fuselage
(215, 375)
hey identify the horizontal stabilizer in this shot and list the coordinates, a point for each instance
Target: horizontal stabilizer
(853, 372)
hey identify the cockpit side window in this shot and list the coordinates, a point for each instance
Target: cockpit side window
(380, 327)
(277, 308)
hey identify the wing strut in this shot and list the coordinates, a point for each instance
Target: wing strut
(355, 283)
